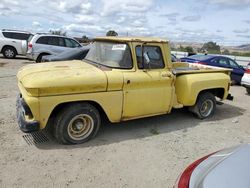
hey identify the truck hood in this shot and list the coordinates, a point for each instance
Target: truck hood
(62, 78)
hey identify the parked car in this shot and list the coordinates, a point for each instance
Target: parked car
(47, 44)
(245, 81)
(174, 58)
(219, 61)
(72, 54)
(228, 168)
(12, 42)
(121, 78)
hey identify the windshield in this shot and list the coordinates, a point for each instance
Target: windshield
(110, 54)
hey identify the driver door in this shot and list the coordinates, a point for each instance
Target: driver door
(148, 90)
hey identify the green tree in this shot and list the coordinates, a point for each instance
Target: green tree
(226, 52)
(84, 37)
(210, 47)
(189, 49)
(58, 32)
(111, 33)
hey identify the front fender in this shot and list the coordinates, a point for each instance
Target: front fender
(111, 103)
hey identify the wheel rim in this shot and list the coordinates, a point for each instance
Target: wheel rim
(9, 53)
(80, 127)
(206, 108)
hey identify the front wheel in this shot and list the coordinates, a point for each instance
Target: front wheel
(77, 124)
(205, 105)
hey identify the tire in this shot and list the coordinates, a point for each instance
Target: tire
(39, 58)
(248, 91)
(9, 52)
(205, 105)
(77, 124)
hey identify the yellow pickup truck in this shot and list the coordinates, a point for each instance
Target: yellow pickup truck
(121, 78)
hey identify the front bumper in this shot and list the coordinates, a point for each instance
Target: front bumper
(21, 110)
(245, 81)
(31, 56)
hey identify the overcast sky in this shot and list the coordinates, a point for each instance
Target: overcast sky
(224, 21)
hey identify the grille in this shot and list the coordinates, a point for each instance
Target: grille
(35, 138)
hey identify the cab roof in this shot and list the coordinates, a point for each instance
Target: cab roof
(130, 39)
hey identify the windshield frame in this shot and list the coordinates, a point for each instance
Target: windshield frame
(114, 42)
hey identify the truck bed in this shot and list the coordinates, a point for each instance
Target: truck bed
(193, 68)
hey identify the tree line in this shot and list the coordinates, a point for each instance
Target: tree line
(210, 48)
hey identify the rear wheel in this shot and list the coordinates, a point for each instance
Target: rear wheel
(205, 105)
(9, 52)
(77, 124)
(248, 90)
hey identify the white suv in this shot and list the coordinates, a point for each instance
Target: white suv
(47, 44)
(13, 42)
(245, 81)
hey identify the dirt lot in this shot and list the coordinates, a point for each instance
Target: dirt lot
(148, 152)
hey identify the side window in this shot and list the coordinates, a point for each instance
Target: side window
(53, 41)
(233, 64)
(42, 40)
(223, 62)
(17, 36)
(215, 60)
(71, 43)
(75, 43)
(61, 42)
(23, 36)
(7, 34)
(152, 55)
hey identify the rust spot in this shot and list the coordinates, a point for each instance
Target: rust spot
(61, 66)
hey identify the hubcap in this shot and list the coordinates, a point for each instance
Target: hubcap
(9, 53)
(80, 127)
(206, 107)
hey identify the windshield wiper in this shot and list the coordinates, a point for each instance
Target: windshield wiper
(95, 63)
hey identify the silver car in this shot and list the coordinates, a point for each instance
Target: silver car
(227, 168)
(44, 44)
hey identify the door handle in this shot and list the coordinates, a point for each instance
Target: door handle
(166, 75)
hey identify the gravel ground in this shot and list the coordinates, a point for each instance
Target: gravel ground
(149, 152)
